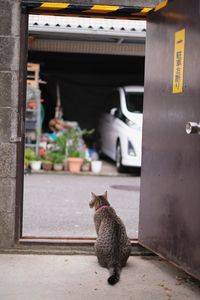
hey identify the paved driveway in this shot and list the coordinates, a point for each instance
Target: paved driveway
(56, 205)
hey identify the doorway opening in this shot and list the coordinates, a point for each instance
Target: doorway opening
(52, 206)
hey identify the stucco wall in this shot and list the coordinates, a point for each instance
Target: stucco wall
(9, 70)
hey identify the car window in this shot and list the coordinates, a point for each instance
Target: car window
(134, 102)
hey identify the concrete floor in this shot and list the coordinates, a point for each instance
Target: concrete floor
(60, 277)
(56, 204)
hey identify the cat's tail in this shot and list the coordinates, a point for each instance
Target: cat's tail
(114, 275)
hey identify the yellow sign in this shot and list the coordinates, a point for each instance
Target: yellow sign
(179, 48)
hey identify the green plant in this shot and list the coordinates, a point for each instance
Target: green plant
(30, 155)
(48, 156)
(57, 157)
(61, 142)
(26, 163)
(71, 142)
(45, 161)
(75, 153)
(75, 143)
(74, 138)
(37, 157)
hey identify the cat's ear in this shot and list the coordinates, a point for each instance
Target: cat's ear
(106, 195)
(91, 204)
(93, 195)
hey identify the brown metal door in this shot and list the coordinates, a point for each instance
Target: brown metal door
(170, 187)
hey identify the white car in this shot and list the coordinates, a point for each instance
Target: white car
(120, 127)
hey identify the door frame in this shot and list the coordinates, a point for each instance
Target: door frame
(28, 243)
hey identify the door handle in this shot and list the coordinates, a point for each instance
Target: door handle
(192, 127)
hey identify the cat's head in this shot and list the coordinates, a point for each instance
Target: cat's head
(98, 200)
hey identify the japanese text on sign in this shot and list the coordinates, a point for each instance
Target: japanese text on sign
(179, 61)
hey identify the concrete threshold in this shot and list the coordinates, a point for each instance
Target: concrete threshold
(42, 247)
(85, 173)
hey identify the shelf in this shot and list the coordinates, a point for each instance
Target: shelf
(31, 126)
(31, 110)
(30, 145)
(33, 74)
(33, 121)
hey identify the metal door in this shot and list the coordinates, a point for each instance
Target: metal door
(170, 183)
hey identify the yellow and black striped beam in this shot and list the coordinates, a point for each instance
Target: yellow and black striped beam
(105, 11)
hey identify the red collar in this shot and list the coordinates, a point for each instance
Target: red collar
(103, 206)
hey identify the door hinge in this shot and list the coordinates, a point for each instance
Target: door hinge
(15, 139)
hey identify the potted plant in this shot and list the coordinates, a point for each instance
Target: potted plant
(58, 159)
(74, 150)
(86, 166)
(31, 159)
(47, 165)
(96, 166)
(61, 142)
(75, 160)
(26, 163)
(71, 144)
(29, 155)
(36, 162)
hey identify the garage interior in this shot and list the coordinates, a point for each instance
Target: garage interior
(84, 81)
(85, 73)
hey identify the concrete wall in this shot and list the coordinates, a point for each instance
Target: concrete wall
(9, 81)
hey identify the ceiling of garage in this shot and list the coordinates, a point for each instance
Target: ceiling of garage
(87, 28)
(88, 32)
(86, 35)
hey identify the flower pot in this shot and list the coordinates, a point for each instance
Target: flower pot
(47, 166)
(74, 164)
(65, 164)
(96, 166)
(86, 167)
(36, 165)
(58, 167)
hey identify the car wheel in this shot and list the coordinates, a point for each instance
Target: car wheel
(119, 165)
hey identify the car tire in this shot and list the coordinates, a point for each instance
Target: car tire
(119, 166)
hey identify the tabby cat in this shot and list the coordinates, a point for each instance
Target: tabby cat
(112, 245)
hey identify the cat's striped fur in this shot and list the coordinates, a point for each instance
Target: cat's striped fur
(112, 246)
